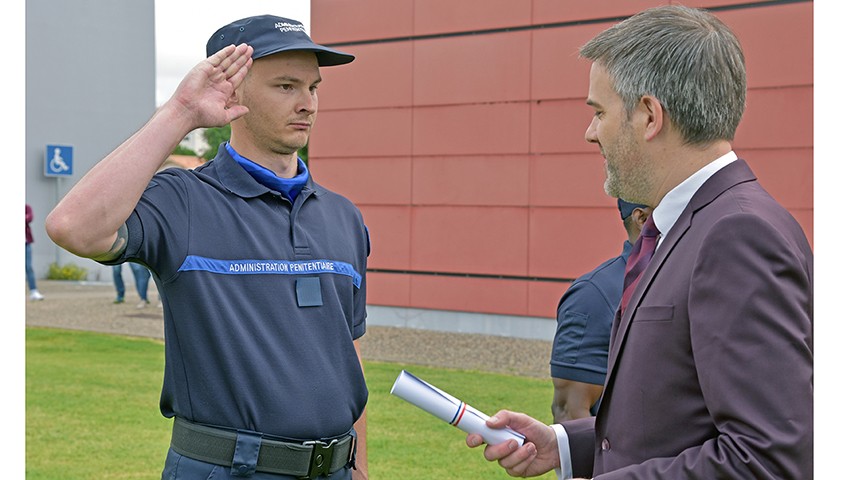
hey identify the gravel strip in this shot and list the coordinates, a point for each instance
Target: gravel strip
(88, 306)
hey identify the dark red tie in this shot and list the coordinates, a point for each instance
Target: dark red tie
(638, 259)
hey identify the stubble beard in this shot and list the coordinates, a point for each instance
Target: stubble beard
(287, 145)
(633, 183)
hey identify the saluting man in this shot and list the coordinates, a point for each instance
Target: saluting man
(263, 374)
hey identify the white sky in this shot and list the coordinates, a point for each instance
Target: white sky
(182, 28)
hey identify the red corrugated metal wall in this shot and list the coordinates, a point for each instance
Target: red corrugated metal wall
(458, 131)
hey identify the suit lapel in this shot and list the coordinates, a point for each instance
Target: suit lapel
(727, 177)
(620, 327)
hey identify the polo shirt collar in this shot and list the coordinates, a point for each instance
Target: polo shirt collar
(627, 247)
(238, 181)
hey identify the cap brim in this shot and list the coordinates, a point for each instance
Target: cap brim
(325, 56)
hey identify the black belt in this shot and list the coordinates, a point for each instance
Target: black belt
(305, 460)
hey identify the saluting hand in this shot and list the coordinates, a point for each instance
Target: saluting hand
(206, 93)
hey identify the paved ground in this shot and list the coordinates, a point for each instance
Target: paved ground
(86, 306)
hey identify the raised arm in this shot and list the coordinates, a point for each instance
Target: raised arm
(87, 220)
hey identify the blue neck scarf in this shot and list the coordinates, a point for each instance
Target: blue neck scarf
(289, 187)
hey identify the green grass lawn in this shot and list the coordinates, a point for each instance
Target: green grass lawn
(92, 412)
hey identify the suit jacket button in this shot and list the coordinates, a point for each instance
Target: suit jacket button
(605, 446)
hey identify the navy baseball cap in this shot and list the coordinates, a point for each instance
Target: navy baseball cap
(626, 208)
(269, 34)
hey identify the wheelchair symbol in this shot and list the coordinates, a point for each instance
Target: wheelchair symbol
(58, 160)
(57, 163)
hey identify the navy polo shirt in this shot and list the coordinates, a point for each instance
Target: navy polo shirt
(263, 299)
(584, 322)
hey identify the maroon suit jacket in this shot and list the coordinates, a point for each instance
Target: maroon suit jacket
(710, 369)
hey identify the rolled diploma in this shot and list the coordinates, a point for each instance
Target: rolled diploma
(449, 409)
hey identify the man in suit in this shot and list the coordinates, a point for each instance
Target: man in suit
(710, 370)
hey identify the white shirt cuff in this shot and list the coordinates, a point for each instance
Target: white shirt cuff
(565, 470)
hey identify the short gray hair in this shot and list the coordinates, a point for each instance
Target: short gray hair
(686, 58)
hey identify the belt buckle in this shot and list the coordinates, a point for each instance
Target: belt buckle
(320, 458)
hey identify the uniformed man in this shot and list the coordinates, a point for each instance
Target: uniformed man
(262, 269)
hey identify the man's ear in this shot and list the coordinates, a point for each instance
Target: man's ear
(639, 215)
(237, 94)
(234, 99)
(653, 112)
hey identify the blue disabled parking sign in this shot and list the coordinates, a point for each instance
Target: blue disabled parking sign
(58, 161)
